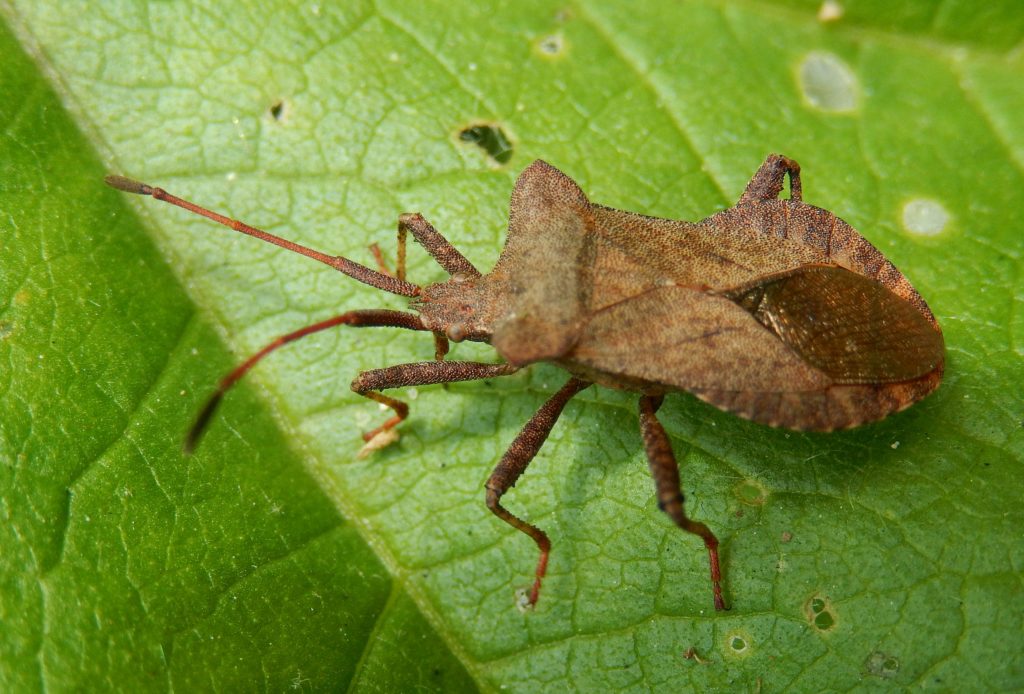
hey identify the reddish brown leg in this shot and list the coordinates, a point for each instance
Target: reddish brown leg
(514, 463)
(355, 319)
(419, 374)
(665, 472)
(446, 255)
(400, 249)
(767, 183)
(382, 265)
(440, 346)
(440, 340)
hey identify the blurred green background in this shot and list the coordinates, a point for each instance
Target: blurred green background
(885, 557)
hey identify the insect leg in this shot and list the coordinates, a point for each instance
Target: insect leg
(424, 373)
(446, 255)
(665, 472)
(382, 265)
(514, 463)
(768, 181)
(355, 319)
(441, 346)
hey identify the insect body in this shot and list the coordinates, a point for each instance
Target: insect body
(772, 309)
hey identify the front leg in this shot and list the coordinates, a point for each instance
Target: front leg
(665, 472)
(514, 463)
(446, 255)
(767, 183)
(440, 340)
(355, 319)
(424, 373)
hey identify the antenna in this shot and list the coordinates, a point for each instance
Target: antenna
(341, 264)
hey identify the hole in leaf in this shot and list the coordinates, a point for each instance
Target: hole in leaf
(277, 110)
(882, 665)
(551, 46)
(738, 644)
(491, 139)
(824, 621)
(820, 613)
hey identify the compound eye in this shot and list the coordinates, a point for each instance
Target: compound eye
(456, 332)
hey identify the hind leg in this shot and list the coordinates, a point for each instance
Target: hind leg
(665, 472)
(767, 183)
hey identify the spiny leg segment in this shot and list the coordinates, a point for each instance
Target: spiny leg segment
(518, 456)
(440, 249)
(770, 178)
(424, 373)
(665, 472)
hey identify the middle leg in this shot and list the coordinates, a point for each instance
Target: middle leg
(513, 464)
(369, 383)
(665, 472)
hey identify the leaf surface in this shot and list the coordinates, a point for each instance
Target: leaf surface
(885, 556)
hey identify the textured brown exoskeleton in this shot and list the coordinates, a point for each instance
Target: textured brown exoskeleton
(773, 309)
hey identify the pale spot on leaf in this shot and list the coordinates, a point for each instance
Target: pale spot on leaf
(828, 83)
(925, 217)
(830, 11)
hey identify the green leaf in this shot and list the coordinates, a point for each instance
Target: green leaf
(884, 556)
(123, 565)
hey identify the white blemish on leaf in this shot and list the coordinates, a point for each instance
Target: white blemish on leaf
(828, 83)
(830, 11)
(925, 217)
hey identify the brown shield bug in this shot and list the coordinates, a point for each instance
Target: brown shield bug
(772, 309)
